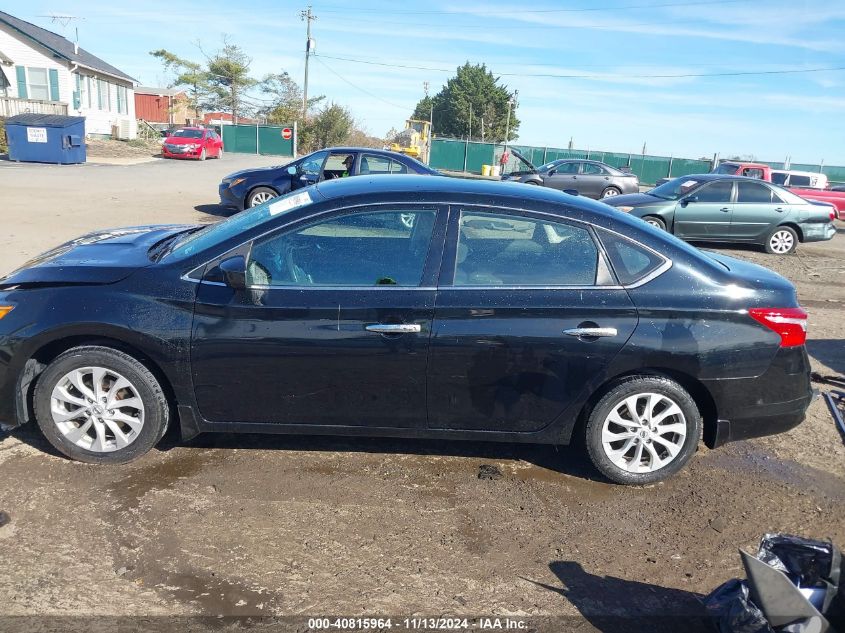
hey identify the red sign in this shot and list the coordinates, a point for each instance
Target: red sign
(287, 133)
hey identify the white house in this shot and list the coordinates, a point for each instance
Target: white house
(42, 72)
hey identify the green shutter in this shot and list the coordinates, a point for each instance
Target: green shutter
(21, 72)
(54, 84)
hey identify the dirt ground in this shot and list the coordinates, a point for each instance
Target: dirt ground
(233, 525)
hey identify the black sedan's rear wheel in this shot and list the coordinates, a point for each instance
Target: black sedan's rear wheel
(644, 429)
(101, 406)
(260, 195)
(610, 192)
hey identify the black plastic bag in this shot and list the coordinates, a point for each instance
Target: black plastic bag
(732, 610)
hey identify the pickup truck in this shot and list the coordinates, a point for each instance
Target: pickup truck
(763, 172)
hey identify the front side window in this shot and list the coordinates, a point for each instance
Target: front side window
(778, 177)
(508, 250)
(753, 172)
(567, 168)
(339, 166)
(715, 192)
(379, 248)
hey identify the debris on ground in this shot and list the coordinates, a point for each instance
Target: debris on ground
(110, 148)
(488, 471)
(795, 585)
(836, 403)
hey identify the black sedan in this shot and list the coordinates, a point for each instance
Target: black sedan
(502, 313)
(251, 187)
(588, 178)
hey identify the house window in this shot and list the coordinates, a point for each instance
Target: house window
(38, 85)
(103, 95)
(121, 100)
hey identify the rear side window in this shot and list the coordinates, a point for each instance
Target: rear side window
(753, 192)
(631, 261)
(510, 250)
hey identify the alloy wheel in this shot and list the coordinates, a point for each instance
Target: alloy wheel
(609, 193)
(644, 433)
(781, 242)
(97, 409)
(260, 198)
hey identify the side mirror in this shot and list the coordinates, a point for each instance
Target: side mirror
(293, 171)
(571, 192)
(234, 272)
(686, 201)
(551, 172)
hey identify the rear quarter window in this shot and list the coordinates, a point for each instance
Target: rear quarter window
(631, 261)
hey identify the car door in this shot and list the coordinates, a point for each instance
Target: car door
(564, 176)
(756, 210)
(333, 328)
(308, 171)
(592, 180)
(515, 288)
(705, 213)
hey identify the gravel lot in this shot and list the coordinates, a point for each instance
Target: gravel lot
(299, 526)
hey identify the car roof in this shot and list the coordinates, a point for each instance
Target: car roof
(452, 186)
(705, 177)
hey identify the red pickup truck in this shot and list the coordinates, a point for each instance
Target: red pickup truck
(764, 172)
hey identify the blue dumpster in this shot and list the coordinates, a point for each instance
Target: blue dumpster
(46, 138)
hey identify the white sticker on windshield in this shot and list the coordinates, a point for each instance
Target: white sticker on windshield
(291, 202)
(689, 183)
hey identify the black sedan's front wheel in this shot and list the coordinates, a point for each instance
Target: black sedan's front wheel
(101, 406)
(644, 429)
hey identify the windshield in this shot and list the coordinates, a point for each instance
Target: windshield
(726, 168)
(188, 133)
(675, 189)
(213, 234)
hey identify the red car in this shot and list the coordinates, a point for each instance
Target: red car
(193, 142)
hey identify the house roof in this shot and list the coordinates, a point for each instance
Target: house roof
(61, 47)
(152, 90)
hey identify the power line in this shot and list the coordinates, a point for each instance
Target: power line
(695, 3)
(604, 76)
(357, 87)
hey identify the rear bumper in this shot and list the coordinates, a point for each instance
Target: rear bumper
(769, 404)
(818, 232)
(779, 418)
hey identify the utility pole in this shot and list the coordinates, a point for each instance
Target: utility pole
(430, 124)
(309, 44)
(511, 104)
(470, 122)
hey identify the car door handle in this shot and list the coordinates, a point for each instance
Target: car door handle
(725, 209)
(779, 209)
(595, 332)
(394, 328)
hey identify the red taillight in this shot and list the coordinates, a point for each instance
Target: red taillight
(833, 215)
(789, 323)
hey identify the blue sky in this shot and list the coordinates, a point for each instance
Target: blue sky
(612, 46)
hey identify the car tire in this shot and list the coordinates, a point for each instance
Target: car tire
(610, 192)
(68, 385)
(260, 195)
(202, 154)
(532, 182)
(655, 222)
(664, 433)
(781, 241)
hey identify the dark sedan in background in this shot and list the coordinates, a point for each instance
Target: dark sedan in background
(589, 178)
(715, 207)
(251, 187)
(501, 313)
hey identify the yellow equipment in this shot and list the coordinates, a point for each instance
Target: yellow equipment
(413, 140)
